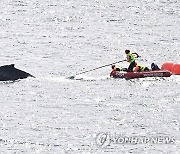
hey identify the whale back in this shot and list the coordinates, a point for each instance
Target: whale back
(9, 72)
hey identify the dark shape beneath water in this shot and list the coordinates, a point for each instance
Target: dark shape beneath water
(10, 73)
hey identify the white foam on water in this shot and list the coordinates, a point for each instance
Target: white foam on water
(175, 78)
(76, 78)
(57, 79)
(90, 78)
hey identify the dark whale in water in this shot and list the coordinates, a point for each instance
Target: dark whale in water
(10, 73)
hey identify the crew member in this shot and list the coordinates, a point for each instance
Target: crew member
(118, 68)
(131, 59)
(140, 68)
(154, 67)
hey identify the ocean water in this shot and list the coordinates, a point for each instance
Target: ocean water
(56, 39)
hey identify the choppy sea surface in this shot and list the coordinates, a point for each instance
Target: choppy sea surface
(54, 39)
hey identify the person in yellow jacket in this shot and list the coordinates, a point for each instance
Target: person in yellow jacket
(118, 68)
(141, 68)
(131, 59)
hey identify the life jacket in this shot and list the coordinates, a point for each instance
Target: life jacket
(131, 57)
(139, 68)
(118, 68)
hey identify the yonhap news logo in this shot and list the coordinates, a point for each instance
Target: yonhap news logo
(106, 139)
